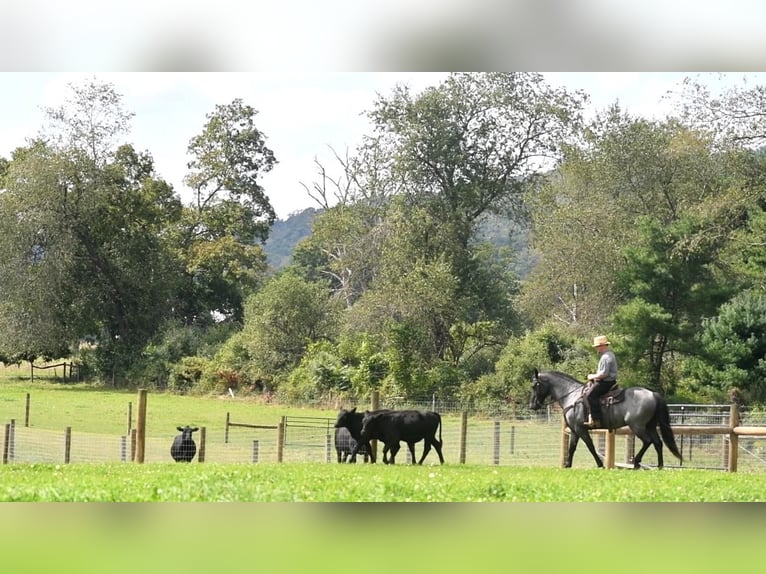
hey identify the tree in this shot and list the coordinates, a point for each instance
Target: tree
(343, 248)
(463, 150)
(587, 211)
(671, 286)
(230, 213)
(88, 223)
(90, 122)
(736, 116)
(36, 257)
(733, 348)
(283, 318)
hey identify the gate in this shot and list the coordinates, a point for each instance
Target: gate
(312, 437)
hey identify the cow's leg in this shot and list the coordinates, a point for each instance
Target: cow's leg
(426, 450)
(392, 452)
(411, 448)
(437, 447)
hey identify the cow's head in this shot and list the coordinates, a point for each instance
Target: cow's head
(345, 417)
(187, 431)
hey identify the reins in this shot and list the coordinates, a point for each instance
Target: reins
(550, 400)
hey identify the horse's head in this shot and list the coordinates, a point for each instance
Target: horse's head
(540, 391)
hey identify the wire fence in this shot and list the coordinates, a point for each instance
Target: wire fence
(524, 439)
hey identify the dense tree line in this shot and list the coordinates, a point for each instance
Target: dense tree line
(651, 231)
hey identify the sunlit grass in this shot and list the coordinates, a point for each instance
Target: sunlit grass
(310, 482)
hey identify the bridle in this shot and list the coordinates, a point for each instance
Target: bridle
(550, 400)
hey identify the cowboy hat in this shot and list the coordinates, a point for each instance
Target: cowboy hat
(600, 340)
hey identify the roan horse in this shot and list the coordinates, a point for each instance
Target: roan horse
(640, 409)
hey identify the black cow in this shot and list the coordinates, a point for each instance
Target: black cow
(345, 444)
(352, 420)
(408, 426)
(184, 447)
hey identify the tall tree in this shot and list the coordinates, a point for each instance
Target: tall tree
(90, 216)
(229, 215)
(671, 286)
(587, 212)
(448, 157)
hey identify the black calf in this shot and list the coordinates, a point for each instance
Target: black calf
(184, 448)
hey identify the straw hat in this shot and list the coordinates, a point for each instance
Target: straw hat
(600, 340)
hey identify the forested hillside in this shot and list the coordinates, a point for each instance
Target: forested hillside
(285, 236)
(287, 233)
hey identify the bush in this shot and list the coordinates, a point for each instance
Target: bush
(187, 375)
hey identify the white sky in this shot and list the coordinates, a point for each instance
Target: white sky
(301, 114)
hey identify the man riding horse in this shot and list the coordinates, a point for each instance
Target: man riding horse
(602, 380)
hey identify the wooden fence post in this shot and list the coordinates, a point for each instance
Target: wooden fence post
(463, 433)
(374, 406)
(226, 429)
(564, 442)
(67, 444)
(133, 445)
(26, 412)
(12, 441)
(141, 427)
(6, 442)
(130, 416)
(496, 444)
(281, 439)
(733, 437)
(609, 449)
(202, 439)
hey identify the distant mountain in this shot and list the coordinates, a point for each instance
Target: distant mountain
(286, 234)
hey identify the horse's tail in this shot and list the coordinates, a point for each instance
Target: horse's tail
(663, 420)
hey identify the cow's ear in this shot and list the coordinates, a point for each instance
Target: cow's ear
(195, 429)
(536, 373)
(353, 410)
(180, 428)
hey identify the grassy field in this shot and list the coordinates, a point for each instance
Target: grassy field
(98, 416)
(219, 527)
(310, 482)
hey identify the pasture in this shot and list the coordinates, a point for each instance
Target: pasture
(291, 538)
(527, 470)
(310, 482)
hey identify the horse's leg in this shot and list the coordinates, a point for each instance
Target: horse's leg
(657, 445)
(648, 437)
(637, 459)
(573, 438)
(589, 443)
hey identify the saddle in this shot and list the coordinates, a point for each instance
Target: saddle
(614, 395)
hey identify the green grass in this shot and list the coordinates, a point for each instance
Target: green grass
(309, 482)
(487, 524)
(98, 416)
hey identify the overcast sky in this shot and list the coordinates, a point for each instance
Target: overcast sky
(301, 114)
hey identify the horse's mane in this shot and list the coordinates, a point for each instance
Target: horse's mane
(562, 375)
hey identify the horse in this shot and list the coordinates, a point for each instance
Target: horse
(640, 409)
